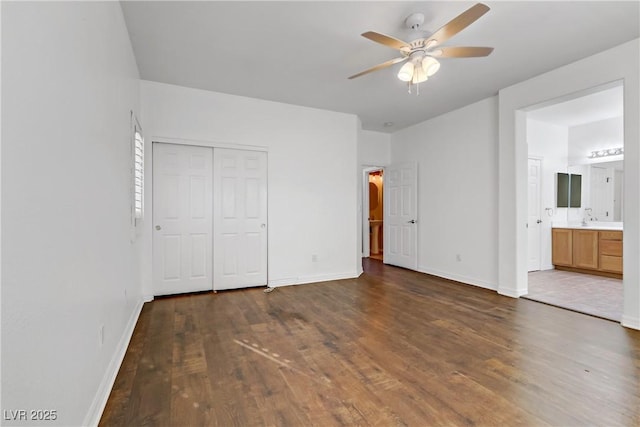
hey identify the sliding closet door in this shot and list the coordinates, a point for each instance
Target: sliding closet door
(182, 218)
(240, 218)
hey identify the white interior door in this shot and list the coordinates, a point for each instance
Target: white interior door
(400, 215)
(240, 218)
(601, 194)
(534, 222)
(182, 218)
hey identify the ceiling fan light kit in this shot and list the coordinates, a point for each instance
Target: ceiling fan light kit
(419, 75)
(406, 72)
(420, 53)
(430, 65)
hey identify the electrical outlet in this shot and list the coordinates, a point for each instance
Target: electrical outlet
(458, 258)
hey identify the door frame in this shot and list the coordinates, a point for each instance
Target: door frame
(366, 241)
(540, 184)
(512, 274)
(146, 265)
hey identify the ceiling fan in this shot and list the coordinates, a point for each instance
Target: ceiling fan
(422, 52)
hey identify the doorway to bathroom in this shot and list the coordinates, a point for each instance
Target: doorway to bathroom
(373, 213)
(575, 202)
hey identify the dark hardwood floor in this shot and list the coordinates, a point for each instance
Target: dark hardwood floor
(391, 348)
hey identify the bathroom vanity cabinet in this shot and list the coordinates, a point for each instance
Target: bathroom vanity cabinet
(588, 251)
(610, 251)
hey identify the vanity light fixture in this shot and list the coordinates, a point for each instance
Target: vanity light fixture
(606, 152)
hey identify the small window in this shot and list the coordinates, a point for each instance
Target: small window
(138, 171)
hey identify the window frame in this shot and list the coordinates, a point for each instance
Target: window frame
(137, 170)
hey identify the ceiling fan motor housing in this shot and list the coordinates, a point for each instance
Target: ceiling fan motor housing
(414, 21)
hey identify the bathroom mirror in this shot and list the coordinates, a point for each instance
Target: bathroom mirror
(607, 182)
(373, 196)
(602, 190)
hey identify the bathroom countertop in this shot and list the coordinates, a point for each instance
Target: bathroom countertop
(591, 225)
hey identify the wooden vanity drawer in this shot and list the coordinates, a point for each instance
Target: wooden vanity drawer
(611, 247)
(611, 263)
(611, 235)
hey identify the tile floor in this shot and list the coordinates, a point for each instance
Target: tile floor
(585, 293)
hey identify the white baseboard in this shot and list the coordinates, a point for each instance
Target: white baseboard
(328, 277)
(513, 293)
(287, 281)
(631, 322)
(459, 278)
(301, 280)
(102, 395)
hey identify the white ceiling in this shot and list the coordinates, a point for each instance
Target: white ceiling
(594, 107)
(594, 121)
(302, 52)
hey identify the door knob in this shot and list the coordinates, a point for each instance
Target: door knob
(158, 227)
(413, 221)
(263, 225)
(539, 221)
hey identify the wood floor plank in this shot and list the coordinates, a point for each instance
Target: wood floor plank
(119, 400)
(190, 388)
(391, 348)
(150, 399)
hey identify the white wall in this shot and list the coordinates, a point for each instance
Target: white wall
(374, 148)
(583, 139)
(622, 64)
(312, 178)
(69, 81)
(457, 191)
(550, 143)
